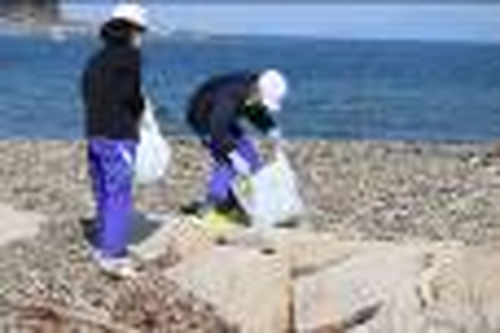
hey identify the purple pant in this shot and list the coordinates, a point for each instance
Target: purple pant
(223, 174)
(111, 170)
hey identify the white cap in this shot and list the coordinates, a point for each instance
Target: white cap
(272, 87)
(131, 12)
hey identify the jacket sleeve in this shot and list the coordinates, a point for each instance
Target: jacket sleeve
(260, 118)
(220, 126)
(129, 85)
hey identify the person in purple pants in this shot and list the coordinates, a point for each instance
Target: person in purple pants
(113, 100)
(215, 114)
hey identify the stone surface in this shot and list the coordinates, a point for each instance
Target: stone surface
(464, 291)
(246, 287)
(182, 237)
(308, 251)
(17, 225)
(353, 292)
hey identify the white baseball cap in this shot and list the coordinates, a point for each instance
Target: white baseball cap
(131, 12)
(273, 87)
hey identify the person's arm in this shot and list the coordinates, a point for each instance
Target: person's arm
(221, 123)
(129, 85)
(265, 122)
(261, 118)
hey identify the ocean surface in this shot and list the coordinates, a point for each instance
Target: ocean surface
(339, 89)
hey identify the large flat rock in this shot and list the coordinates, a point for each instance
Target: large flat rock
(307, 251)
(463, 290)
(17, 225)
(320, 283)
(248, 289)
(178, 235)
(352, 293)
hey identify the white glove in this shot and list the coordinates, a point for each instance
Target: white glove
(275, 134)
(240, 164)
(277, 138)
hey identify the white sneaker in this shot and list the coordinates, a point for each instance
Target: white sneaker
(122, 267)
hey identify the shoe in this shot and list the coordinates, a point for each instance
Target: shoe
(120, 267)
(217, 223)
(224, 214)
(239, 217)
(89, 228)
(198, 208)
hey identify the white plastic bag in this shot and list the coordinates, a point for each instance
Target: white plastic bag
(153, 152)
(271, 196)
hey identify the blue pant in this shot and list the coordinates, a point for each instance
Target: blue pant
(223, 174)
(111, 170)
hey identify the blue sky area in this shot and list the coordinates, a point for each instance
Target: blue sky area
(450, 22)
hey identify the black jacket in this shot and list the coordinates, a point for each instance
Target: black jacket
(217, 107)
(111, 90)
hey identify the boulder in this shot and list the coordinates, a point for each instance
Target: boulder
(376, 284)
(463, 290)
(182, 237)
(248, 289)
(308, 251)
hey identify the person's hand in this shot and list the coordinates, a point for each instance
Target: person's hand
(240, 164)
(277, 139)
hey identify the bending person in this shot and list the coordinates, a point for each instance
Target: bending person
(215, 114)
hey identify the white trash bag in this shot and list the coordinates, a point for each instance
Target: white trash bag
(153, 151)
(271, 196)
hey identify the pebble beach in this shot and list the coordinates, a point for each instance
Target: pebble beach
(371, 190)
(366, 191)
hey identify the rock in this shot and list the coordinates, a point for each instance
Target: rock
(247, 288)
(355, 291)
(16, 225)
(182, 237)
(464, 290)
(308, 251)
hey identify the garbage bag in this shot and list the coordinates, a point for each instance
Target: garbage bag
(153, 151)
(271, 196)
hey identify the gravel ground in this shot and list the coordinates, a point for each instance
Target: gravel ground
(367, 190)
(49, 284)
(364, 190)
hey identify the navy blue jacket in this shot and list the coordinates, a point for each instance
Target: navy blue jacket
(111, 88)
(218, 106)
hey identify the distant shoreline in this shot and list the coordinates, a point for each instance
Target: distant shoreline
(8, 28)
